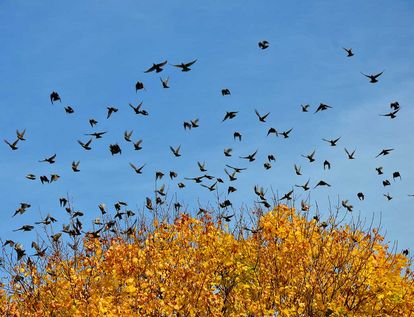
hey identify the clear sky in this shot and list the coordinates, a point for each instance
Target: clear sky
(93, 52)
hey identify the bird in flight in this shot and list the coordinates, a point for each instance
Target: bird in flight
(373, 78)
(97, 135)
(138, 110)
(111, 110)
(225, 92)
(115, 149)
(137, 170)
(50, 160)
(157, 67)
(349, 51)
(75, 166)
(250, 157)
(322, 107)
(297, 170)
(310, 157)
(54, 96)
(176, 151)
(86, 145)
(230, 115)
(93, 122)
(13, 145)
(69, 109)
(165, 82)
(263, 44)
(139, 85)
(391, 114)
(332, 142)
(285, 134)
(185, 67)
(350, 155)
(322, 183)
(305, 108)
(385, 152)
(261, 118)
(20, 135)
(237, 135)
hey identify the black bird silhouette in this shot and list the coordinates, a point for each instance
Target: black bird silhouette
(322, 183)
(267, 165)
(50, 160)
(346, 205)
(349, 51)
(250, 157)
(185, 67)
(332, 142)
(350, 155)
(391, 114)
(237, 135)
(386, 183)
(159, 175)
(287, 196)
(395, 105)
(225, 204)
(228, 152)
(25, 228)
(285, 134)
(305, 108)
(44, 179)
(54, 96)
(211, 187)
(405, 252)
(62, 202)
(231, 189)
(137, 145)
(263, 44)
(97, 135)
(165, 82)
(127, 135)
(54, 177)
(138, 110)
(388, 196)
(187, 125)
(326, 165)
(297, 170)
(20, 135)
(157, 67)
(261, 118)
(93, 122)
(373, 78)
(304, 186)
(69, 109)
(195, 123)
(31, 177)
(395, 175)
(379, 170)
(173, 174)
(13, 145)
(21, 210)
(237, 169)
(385, 152)
(139, 85)
(137, 170)
(115, 149)
(181, 185)
(75, 166)
(226, 218)
(232, 176)
(271, 158)
(230, 115)
(176, 151)
(361, 196)
(111, 110)
(272, 131)
(198, 179)
(86, 145)
(310, 157)
(225, 92)
(202, 166)
(322, 107)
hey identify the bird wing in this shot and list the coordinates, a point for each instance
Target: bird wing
(152, 68)
(377, 75)
(190, 63)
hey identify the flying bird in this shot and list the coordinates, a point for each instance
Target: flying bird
(54, 96)
(285, 134)
(138, 110)
(93, 122)
(310, 157)
(373, 78)
(13, 145)
(379, 170)
(127, 135)
(185, 67)
(297, 170)
(20, 135)
(137, 145)
(165, 82)
(385, 152)
(349, 51)
(361, 196)
(225, 92)
(263, 44)
(332, 142)
(115, 149)
(97, 135)
(230, 115)
(322, 107)
(137, 170)
(304, 186)
(157, 67)
(350, 155)
(176, 151)
(75, 166)
(86, 145)
(139, 85)
(391, 114)
(237, 135)
(111, 110)
(272, 131)
(322, 183)
(326, 165)
(261, 118)
(305, 108)
(69, 109)
(50, 160)
(250, 157)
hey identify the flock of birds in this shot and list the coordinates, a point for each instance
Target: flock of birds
(75, 228)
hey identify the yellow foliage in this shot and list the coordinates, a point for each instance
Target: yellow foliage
(289, 266)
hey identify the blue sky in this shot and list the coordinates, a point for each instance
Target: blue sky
(93, 52)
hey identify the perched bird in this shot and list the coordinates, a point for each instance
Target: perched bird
(137, 170)
(225, 92)
(75, 166)
(20, 135)
(165, 82)
(385, 152)
(54, 96)
(230, 115)
(305, 108)
(310, 157)
(185, 67)
(115, 149)
(263, 44)
(111, 110)
(69, 109)
(13, 145)
(93, 122)
(361, 196)
(304, 206)
(139, 85)
(176, 151)
(322, 107)
(373, 78)
(237, 135)
(349, 51)
(86, 145)
(322, 183)
(379, 170)
(250, 157)
(157, 67)
(127, 135)
(332, 142)
(262, 118)
(350, 155)
(50, 160)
